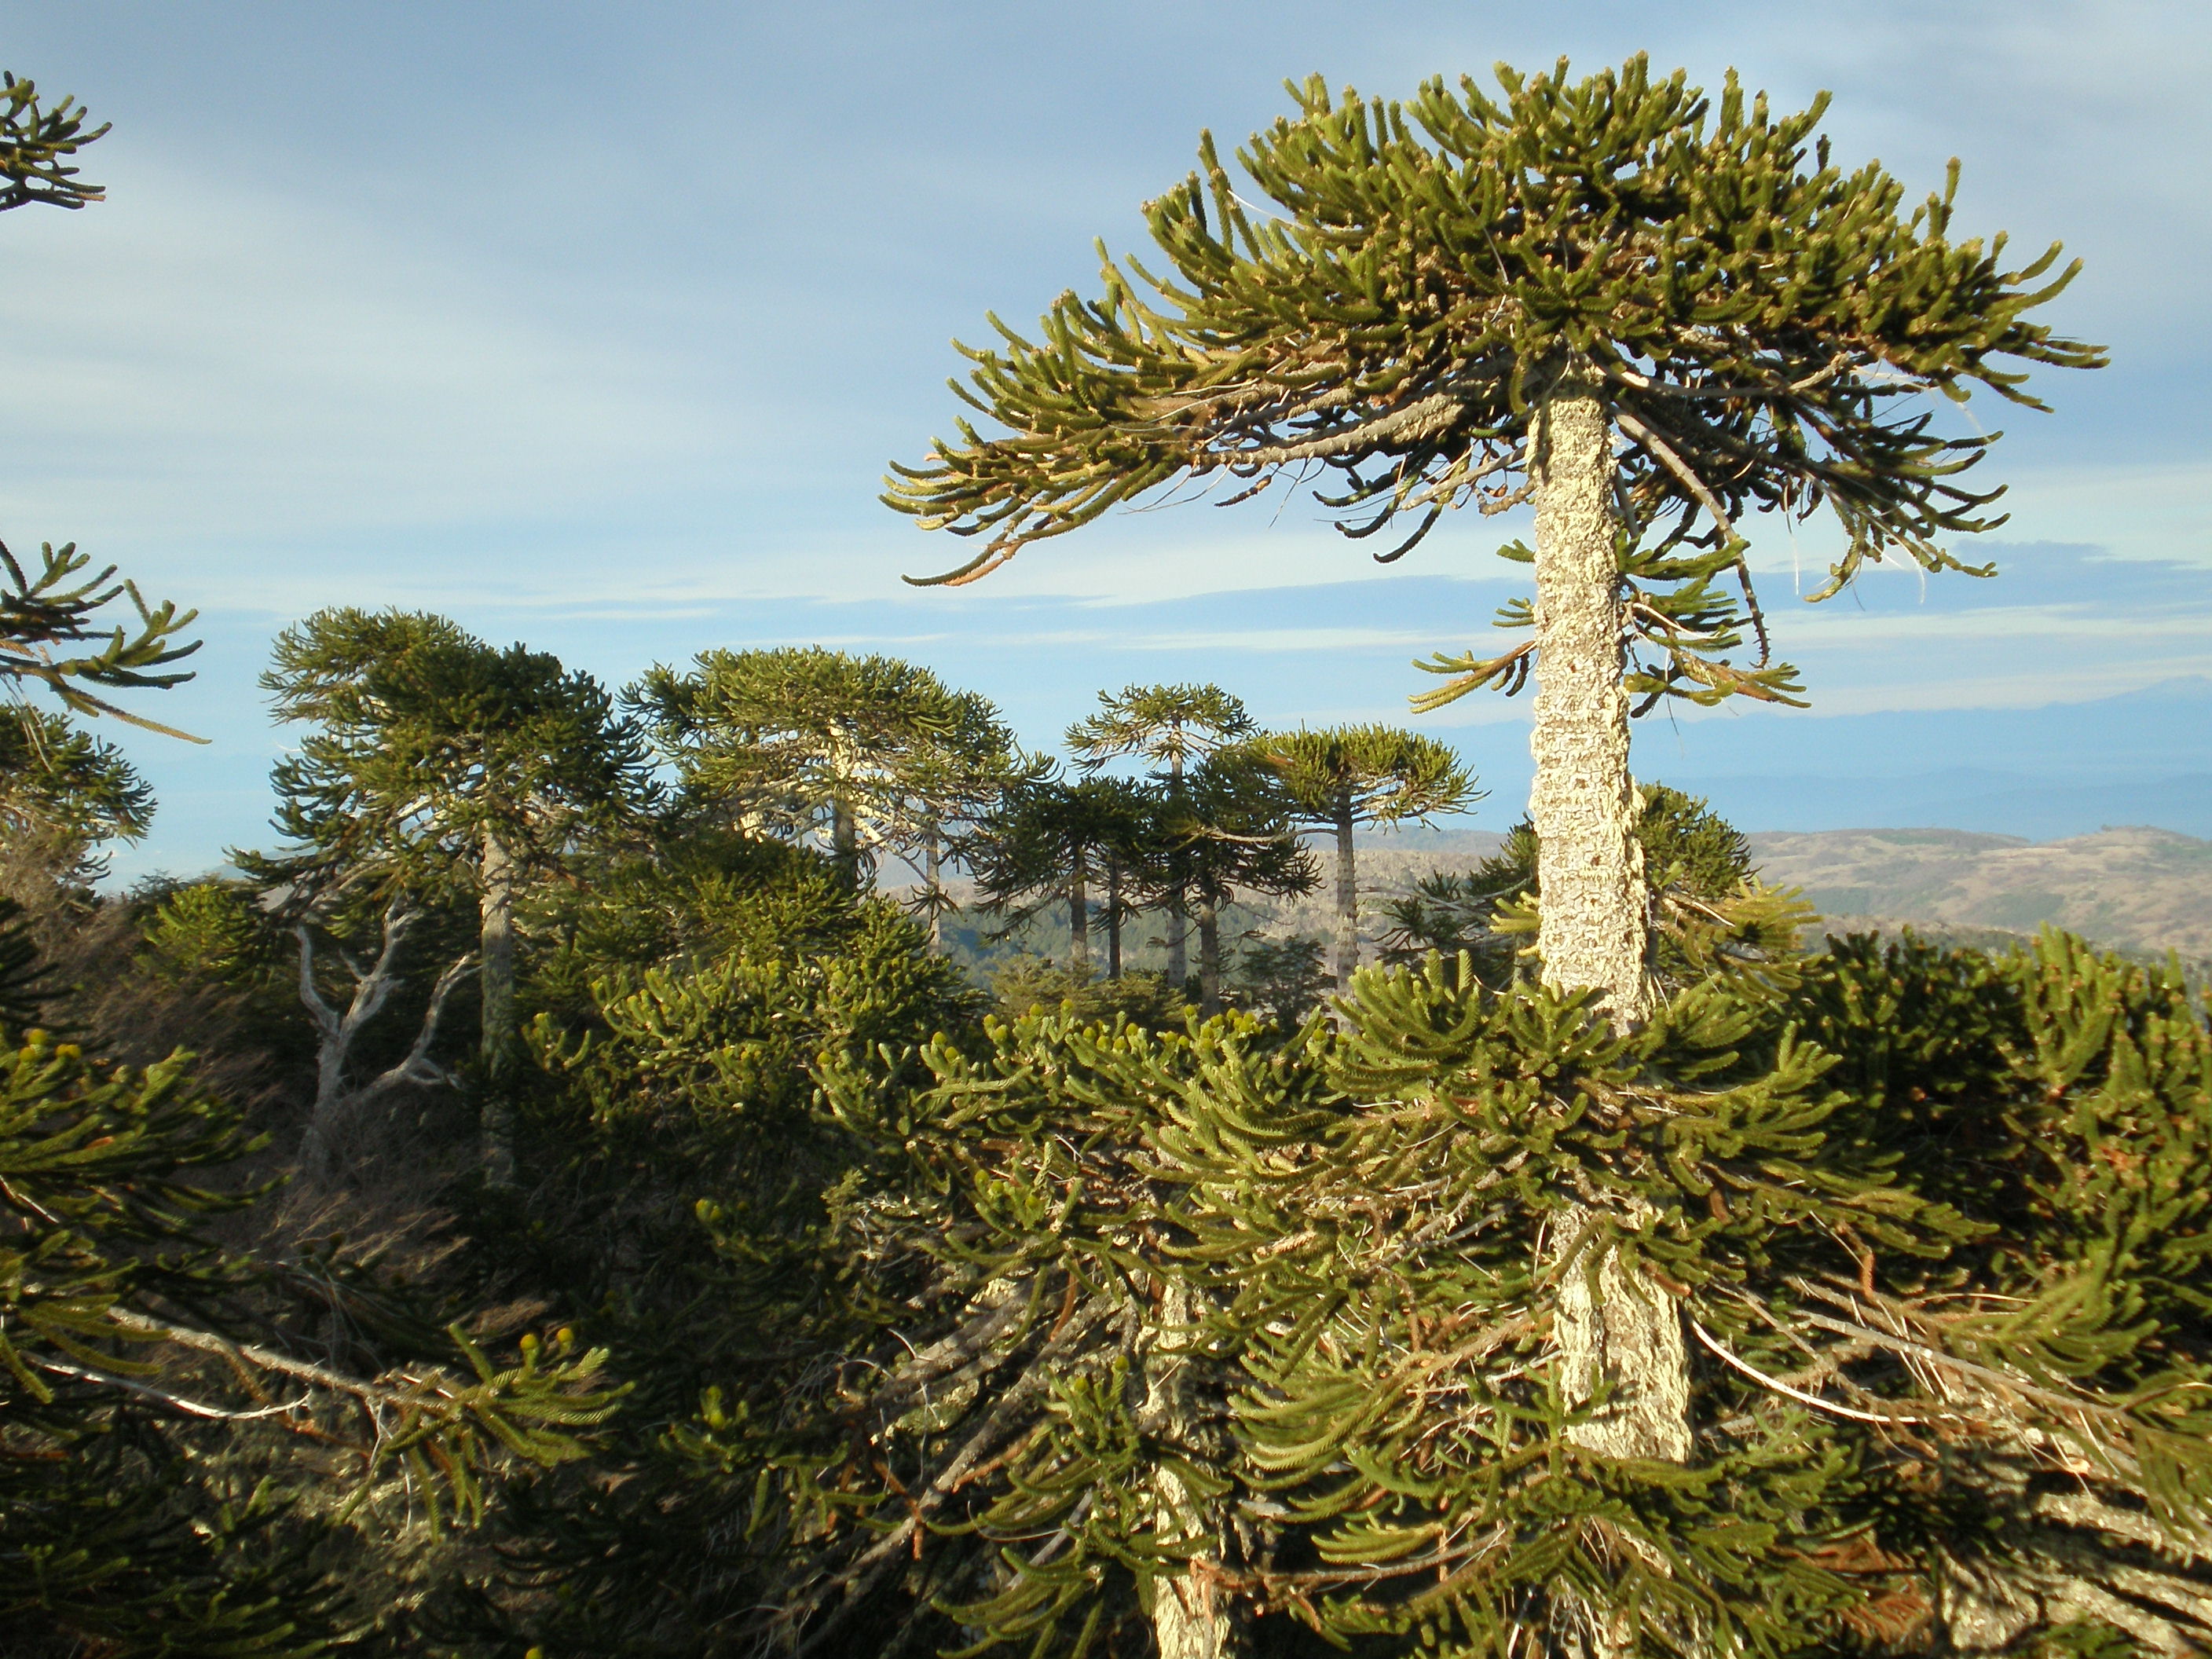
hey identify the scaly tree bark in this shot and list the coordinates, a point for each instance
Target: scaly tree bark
(1614, 1329)
(1595, 926)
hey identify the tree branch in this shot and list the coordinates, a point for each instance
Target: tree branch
(1674, 463)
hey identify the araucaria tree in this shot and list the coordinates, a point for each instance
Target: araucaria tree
(1646, 313)
(1172, 726)
(870, 754)
(1349, 775)
(1232, 832)
(438, 764)
(1050, 840)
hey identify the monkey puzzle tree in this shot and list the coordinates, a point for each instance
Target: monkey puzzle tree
(1051, 839)
(1645, 312)
(1347, 775)
(1171, 726)
(872, 753)
(64, 790)
(439, 763)
(1232, 831)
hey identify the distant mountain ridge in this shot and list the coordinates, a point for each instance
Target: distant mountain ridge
(2133, 888)
(2142, 890)
(2130, 887)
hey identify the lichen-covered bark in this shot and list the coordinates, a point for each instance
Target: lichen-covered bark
(1616, 1332)
(1589, 868)
(1191, 1612)
(1618, 1328)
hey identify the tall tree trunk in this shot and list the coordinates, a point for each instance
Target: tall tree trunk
(1209, 956)
(844, 844)
(1190, 1614)
(1614, 1328)
(1178, 904)
(932, 873)
(500, 1041)
(1113, 917)
(1589, 868)
(1079, 923)
(1347, 950)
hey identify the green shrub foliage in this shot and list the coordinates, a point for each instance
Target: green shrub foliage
(1277, 1313)
(176, 1474)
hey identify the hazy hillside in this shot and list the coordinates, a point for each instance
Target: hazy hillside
(2146, 891)
(2134, 889)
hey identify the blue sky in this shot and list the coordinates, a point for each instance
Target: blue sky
(595, 326)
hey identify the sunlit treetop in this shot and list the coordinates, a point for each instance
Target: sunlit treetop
(423, 739)
(1369, 773)
(1171, 724)
(1765, 327)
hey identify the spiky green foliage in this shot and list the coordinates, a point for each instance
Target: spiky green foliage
(137, 1360)
(1763, 324)
(1368, 774)
(1706, 898)
(36, 143)
(61, 605)
(213, 931)
(1234, 832)
(1006, 1457)
(1050, 841)
(1933, 1220)
(1239, 826)
(1403, 1397)
(60, 782)
(2062, 1097)
(692, 1176)
(1280, 979)
(1033, 985)
(873, 753)
(1334, 781)
(435, 766)
(1174, 727)
(423, 740)
(28, 982)
(1171, 726)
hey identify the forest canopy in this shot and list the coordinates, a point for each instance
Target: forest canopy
(760, 1161)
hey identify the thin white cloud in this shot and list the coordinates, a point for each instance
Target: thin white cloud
(204, 358)
(1831, 627)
